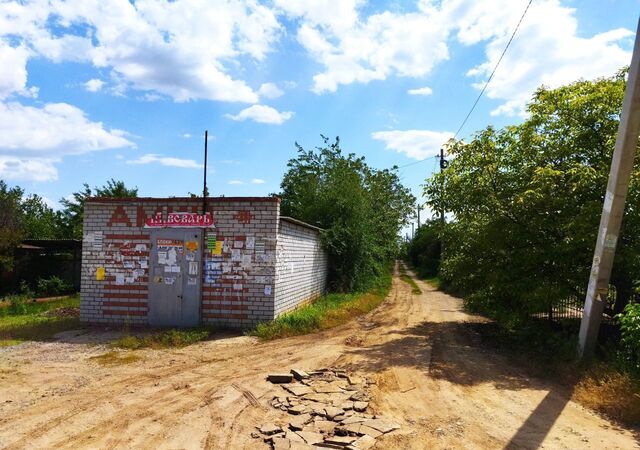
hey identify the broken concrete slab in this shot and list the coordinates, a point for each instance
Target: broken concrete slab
(310, 437)
(298, 389)
(340, 440)
(298, 422)
(281, 443)
(299, 374)
(382, 425)
(362, 443)
(269, 429)
(330, 412)
(360, 406)
(353, 419)
(279, 378)
(299, 409)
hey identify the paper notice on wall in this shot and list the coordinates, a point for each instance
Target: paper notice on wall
(167, 269)
(217, 249)
(192, 281)
(237, 287)
(143, 264)
(119, 279)
(97, 240)
(238, 244)
(129, 280)
(191, 246)
(267, 290)
(251, 242)
(193, 268)
(191, 256)
(259, 247)
(211, 241)
(128, 264)
(162, 258)
(226, 246)
(175, 269)
(210, 278)
(235, 255)
(172, 256)
(141, 247)
(210, 265)
(100, 274)
(246, 260)
(169, 280)
(138, 273)
(226, 268)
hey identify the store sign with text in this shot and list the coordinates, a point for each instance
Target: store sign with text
(180, 220)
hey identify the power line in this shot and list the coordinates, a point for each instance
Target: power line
(494, 69)
(473, 107)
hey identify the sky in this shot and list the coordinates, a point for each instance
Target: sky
(97, 89)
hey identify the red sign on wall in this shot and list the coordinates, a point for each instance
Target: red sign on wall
(180, 220)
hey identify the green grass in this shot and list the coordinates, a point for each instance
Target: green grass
(31, 321)
(114, 358)
(326, 312)
(433, 281)
(164, 339)
(415, 289)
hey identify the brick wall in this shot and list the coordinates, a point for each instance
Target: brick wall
(301, 266)
(239, 295)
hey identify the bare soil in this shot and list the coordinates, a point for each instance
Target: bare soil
(433, 377)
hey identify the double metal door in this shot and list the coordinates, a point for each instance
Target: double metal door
(175, 277)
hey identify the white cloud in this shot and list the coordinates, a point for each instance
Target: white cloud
(235, 182)
(270, 90)
(184, 49)
(151, 158)
(261, 114)
(187, 135)
(94, 85)
(258, 181)
(24, 169)
(416, 144)
(420, 91)
(33, 139)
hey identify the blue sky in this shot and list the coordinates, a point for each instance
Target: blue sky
(92, 90)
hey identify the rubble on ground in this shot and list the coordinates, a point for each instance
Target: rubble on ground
(327, 409)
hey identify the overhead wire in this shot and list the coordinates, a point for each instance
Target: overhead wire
(475, 103)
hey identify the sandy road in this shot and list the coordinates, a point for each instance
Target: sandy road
(433, 377)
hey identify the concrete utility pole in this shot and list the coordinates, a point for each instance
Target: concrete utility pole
(443, 165)
(613, 209)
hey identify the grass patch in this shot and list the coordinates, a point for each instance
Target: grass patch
(164, 339)
(612, 393)
(326, 312)
(436, 282)
(38, 321)
(415, 289)
(114, 358)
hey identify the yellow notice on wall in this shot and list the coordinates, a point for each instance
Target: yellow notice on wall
(100, 274)
(191, 246)
(217, 250)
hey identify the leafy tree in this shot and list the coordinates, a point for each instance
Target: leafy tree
(39, 220)
(424, 249)
(361, 209)
(73, 212)
(11, 222)
(527, 201)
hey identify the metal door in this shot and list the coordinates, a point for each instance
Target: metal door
(175, 279)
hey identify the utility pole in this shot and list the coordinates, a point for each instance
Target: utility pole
(443, 165)
(418, 216)
(204, 188)
(412, 230)
(613, 208)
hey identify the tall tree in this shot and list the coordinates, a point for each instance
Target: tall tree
(361, 209)
(73, 212)
(11, 222)
(526, 202)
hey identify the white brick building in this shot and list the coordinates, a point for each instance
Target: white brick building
(162, 262)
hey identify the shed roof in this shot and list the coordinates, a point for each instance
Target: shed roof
(300, 222)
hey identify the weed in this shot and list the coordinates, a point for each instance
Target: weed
(164, 339)
(326, 312)
(114, 358)
(414, 287)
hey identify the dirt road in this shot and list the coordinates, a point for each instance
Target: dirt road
(433, 377)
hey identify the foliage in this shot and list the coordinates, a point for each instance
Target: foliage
(73, 212)
(630, 337)
(36, 321)
(423, 252)
(53, 286)
(526, 202)
(166, 339)
(361, 209)
(10, 224)
(326, 312)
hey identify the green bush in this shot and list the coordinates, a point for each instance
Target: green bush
(18, 304)
(53, 286)
(630, 337)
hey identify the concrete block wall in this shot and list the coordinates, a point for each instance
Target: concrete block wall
(301, 266)
(239, 295)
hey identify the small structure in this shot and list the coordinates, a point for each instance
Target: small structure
(163, 262)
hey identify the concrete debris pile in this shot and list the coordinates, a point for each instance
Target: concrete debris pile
(327, 409)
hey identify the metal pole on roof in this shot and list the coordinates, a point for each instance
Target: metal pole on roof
(204, 189)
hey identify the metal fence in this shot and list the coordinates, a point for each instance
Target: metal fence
(572, 308)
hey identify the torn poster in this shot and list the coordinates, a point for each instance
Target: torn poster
(235, 255)
(193, 268)
(251, 241)
(238, 244)
(120, 279)
(267, 290)
(128, 264)
(143, 264)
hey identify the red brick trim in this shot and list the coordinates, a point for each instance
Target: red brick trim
(131, 295)
(227, 297)
(126, 287)
(115, 312)
(224, 316)
(226, 307)
(130, 304)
